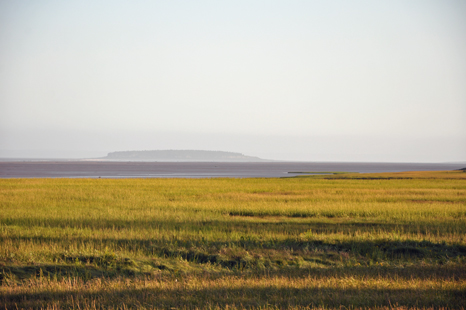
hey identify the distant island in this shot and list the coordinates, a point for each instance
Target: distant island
(181, 155)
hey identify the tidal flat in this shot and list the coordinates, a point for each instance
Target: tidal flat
(372, 241)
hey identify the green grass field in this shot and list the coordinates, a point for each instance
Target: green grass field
(393, 240)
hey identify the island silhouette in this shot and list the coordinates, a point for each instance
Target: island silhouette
(181, 155)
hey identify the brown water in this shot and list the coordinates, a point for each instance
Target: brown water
(96, 169)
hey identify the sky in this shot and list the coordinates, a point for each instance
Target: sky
(376, 81)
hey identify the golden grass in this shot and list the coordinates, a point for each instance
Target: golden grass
(353, 240)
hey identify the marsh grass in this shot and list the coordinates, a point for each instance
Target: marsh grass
(353, 240)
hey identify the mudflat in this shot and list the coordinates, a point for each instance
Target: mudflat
(119, 169)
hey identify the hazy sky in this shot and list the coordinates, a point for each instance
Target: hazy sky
(295, 80)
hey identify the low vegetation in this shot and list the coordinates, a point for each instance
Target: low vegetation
(391, 240)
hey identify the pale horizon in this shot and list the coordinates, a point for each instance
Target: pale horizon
(343, 81)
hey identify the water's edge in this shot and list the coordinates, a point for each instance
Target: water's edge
(104, 169)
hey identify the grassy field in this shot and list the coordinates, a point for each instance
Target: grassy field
(393, 240)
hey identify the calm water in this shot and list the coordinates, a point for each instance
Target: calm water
(96, 169)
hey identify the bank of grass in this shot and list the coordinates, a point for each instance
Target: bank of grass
(352, 240)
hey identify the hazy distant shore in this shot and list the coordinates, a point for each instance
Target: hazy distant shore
(182, 156)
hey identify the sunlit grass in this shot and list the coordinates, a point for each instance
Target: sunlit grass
(361, 240)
